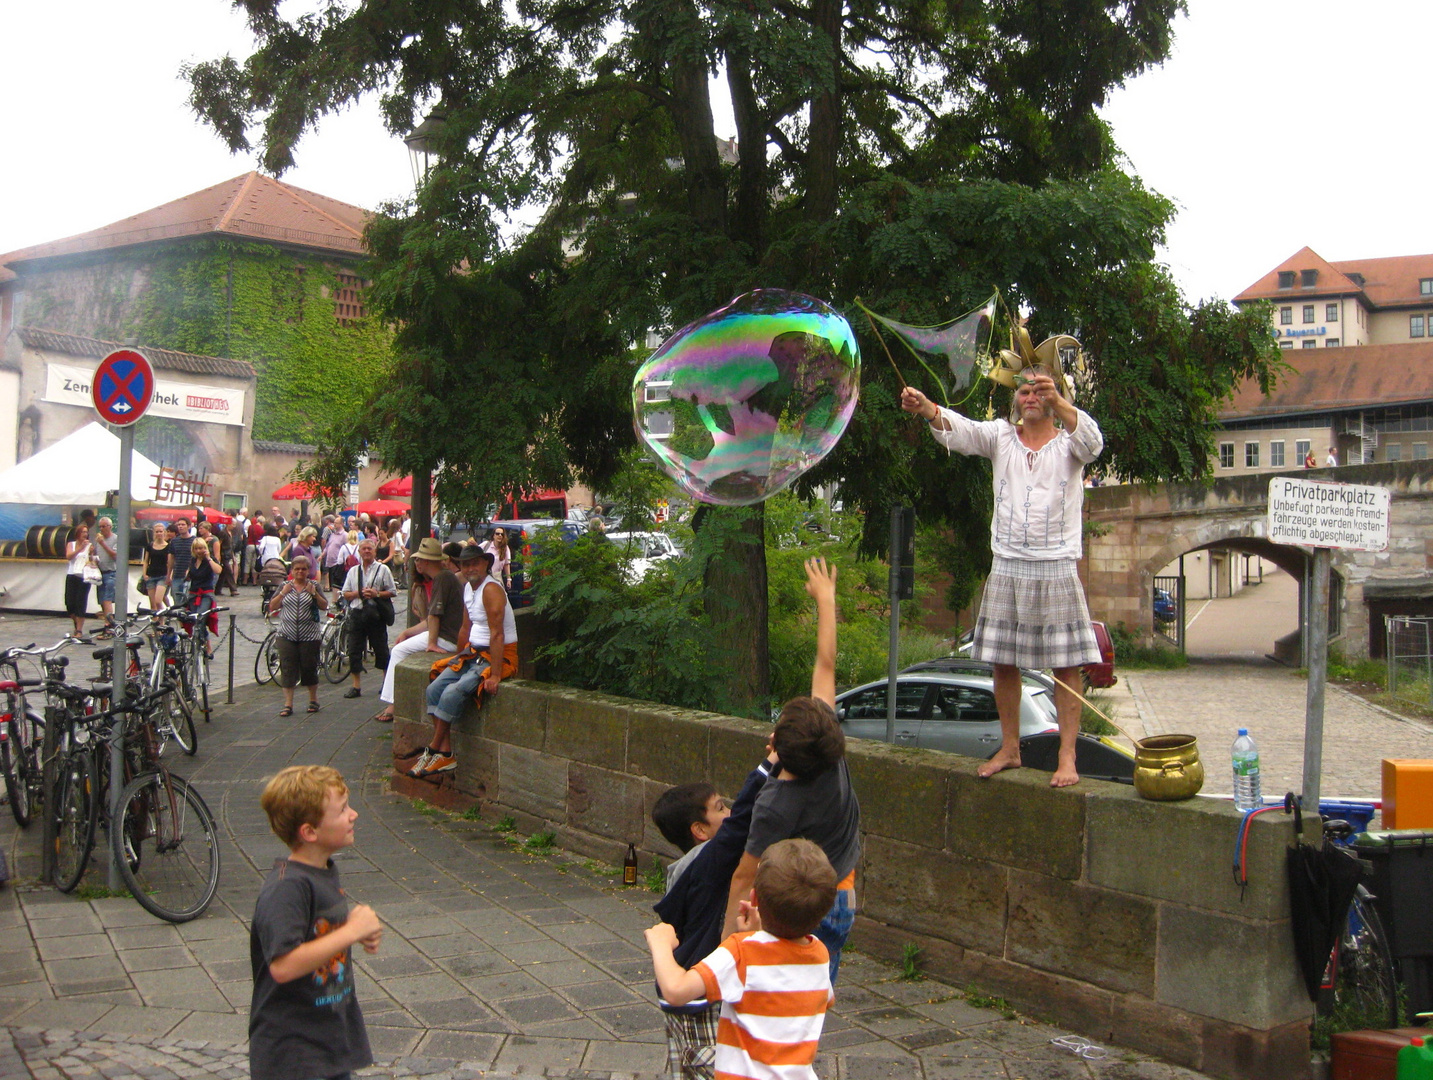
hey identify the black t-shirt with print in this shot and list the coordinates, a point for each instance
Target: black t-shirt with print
(312, 1025)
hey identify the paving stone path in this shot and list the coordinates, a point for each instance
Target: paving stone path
(495, 961)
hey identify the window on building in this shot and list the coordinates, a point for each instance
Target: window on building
(1393, 452)
(1330, 313)
(1286, 279)
(1420, 451)
(1310, 343)
(1226, 455)
(1286, 316)
(1415, 326)
(348, 298)
(1301, 449)
(1425, 286)
(1286, 344)
(1308, 313)
(1309, 278)
(1251, 455)
(1276, 453)
(1331, 343)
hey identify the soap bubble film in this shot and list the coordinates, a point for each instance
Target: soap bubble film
(737, 405)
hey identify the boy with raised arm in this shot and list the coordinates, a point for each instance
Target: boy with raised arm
(304, 1021)
(811, 797)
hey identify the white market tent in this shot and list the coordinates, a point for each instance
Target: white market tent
(79, 470)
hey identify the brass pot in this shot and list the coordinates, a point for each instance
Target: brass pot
(1167, 767)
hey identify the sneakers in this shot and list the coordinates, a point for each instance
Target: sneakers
(353, 692)
(433, 764)
(420, 766)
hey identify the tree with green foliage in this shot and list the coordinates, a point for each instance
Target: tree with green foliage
(913, 154)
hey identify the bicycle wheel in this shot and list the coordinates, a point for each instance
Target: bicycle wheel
(266, 660)
(175, 719)
(75, 812)
(1365, 983)
(332, 658)
(27, 761)
(166, 846)
(201, 680)
(11, 757)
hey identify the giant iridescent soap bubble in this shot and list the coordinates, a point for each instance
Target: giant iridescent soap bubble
(738, 404)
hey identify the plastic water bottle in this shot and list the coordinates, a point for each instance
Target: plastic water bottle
(1246, 773)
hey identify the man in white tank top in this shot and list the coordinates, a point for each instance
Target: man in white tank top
(487, 654)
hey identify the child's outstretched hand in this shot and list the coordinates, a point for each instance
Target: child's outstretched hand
(820, 580)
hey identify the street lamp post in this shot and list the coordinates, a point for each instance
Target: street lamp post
(422, 143)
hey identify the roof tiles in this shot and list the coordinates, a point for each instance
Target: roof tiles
(1391, 282)
(1350, 377)
(251, 205)
(168, 359)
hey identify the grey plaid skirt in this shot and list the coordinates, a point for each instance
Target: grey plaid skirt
(1034, 615)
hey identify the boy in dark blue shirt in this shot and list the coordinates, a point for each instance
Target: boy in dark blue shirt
(696, 819)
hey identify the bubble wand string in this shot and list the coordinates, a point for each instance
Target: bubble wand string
(882, 340)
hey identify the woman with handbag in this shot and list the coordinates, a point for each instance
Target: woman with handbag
(79, 576)
(369, 592)
(298, 605)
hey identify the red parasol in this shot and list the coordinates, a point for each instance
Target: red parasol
(399, 488)
(382, 507)
(296, 490)
(173, 513)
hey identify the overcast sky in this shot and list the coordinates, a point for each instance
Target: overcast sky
(1276, 123)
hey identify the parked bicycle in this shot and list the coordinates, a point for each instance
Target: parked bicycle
(1360, 983)
(163, 839)
(22, 731)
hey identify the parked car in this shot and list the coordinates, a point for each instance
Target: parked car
(525, 540)
(1095, 676)
(943, 710)
(1164, 609)
(643, 550)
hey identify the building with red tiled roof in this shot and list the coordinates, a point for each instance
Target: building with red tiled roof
(1360, 335)
(1318, 303)
(250, 281)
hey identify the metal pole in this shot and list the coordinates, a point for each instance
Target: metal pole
(1318, 652)
(893, 658)
(229, 697)
(119, 665)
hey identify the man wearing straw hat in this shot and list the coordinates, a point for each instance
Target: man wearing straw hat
(1033, 613)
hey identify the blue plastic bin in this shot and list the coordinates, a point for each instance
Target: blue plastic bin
(1357, 814)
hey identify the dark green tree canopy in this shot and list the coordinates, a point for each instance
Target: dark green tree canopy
(913, 153)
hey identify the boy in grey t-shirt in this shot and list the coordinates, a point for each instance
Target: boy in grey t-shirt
(811, 797)
(304, 1020)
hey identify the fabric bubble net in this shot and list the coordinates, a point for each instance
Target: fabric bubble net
(737, 405)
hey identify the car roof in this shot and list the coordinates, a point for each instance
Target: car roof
(966, 664)
(942, 678)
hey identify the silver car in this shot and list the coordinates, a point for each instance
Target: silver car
(943, 710)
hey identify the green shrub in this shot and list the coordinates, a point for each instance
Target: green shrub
(1129, 653)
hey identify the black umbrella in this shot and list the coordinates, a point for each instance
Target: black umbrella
(1322, 882)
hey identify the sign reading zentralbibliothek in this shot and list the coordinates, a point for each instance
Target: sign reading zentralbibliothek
(1321, 513)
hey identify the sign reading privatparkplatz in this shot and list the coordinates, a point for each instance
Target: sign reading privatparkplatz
(1322, 513)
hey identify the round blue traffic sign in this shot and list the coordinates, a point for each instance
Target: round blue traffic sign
(123, 387)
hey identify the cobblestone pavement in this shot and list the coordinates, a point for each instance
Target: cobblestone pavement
(495, 961)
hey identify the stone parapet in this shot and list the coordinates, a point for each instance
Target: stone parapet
(1088, 907)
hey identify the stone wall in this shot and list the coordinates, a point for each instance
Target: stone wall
(1090, 907)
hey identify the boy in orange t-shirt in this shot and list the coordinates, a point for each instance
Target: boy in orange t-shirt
(771, 977)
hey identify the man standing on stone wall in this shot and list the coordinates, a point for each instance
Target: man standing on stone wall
(1033, 613)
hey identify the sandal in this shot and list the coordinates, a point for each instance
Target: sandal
(313, 706)
(287, 710)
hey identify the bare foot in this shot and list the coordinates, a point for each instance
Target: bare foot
(999, 763)
(1065, 776)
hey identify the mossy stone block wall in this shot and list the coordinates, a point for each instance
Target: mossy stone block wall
(1088, 907)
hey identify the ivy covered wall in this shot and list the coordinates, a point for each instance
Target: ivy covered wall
(246, 301)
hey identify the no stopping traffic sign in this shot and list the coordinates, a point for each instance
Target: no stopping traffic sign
(123, 387)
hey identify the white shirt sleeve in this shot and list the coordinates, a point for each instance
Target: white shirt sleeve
(1086, 441)
(967, 436)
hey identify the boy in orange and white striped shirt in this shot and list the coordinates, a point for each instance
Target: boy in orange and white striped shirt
(771, 977)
